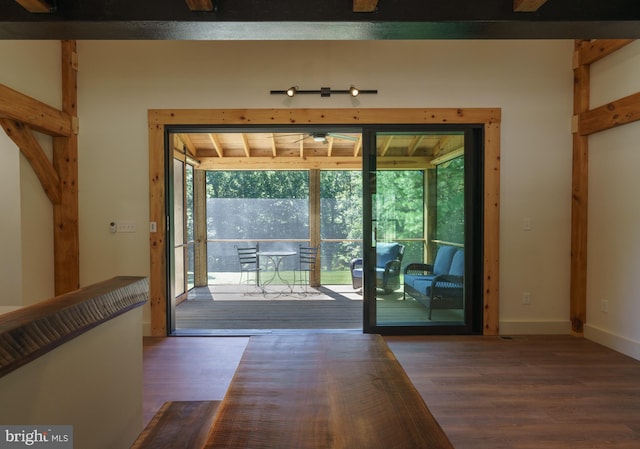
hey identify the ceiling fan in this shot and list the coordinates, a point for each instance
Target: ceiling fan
(321, 137)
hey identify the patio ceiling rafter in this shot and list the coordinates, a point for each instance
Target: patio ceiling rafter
(160, 120)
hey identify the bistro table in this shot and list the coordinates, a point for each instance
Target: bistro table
(275, 258)
(323, 391)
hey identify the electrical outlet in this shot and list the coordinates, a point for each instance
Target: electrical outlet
(526, 298)
(604, 306)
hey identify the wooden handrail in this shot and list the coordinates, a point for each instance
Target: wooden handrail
(32, 331)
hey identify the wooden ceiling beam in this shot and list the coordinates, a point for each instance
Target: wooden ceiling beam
(330, 147)
(311, 163)
(386, 146)
(274, 147)
(357, 147)
(200, 5)
(216, 145)
(36, 6)
(527, 5)
(245, 145)
(365, 5)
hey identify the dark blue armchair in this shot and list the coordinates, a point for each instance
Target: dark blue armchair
(388, 260)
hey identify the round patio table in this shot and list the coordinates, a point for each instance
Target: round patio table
(275, 258)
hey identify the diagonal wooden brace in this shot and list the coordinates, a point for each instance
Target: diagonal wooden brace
(23, 137)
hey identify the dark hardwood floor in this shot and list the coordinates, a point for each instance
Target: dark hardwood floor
(533, 392)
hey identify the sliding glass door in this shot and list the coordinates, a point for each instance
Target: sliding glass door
(422, 236)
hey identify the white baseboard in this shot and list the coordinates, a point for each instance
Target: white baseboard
(535, 327)
(613, 341)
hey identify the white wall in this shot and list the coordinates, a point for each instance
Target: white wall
(530, 81)
(92, 382)
(26, 228)
(613, 281)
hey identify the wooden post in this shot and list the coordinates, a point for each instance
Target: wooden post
(200, 224)
(314, 221)
(65, 161)
(430, 215)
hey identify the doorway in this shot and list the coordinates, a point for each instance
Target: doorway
(161, 121)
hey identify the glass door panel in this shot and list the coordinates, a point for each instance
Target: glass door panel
(416, 279)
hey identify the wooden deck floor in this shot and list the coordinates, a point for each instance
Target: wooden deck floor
(535, 392)
(228, 307)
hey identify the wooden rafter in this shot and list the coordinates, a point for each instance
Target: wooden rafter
(274, 148)
(191, 149)
(357, 147)
(23, 137)
(216, 145)
(200, 5)
(245, 145)
(330, 146)
(386, 146)
(35, 6)
(413, 146)
(365, 5)
(527, 5)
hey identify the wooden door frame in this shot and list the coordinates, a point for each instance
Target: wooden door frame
(160, 119)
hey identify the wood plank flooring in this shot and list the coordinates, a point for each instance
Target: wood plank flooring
(226, 307)
(533, 392)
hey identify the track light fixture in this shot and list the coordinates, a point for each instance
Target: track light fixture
(323, 92)
(291, 91)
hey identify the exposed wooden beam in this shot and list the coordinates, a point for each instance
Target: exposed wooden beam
(527, 5)
(200, 5)
(274, 148)
(330, 146)
(357, 148)
(413, 146)
(23, 137)
(310, 163)
(591, 51)
(386, 146)
(245, 145)
(448, 156)
(619, 112)
(579, 201)
(365, 5)
(37, 115)
(36, 6)
(66, 236)
(191, 149)
(216, 145)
